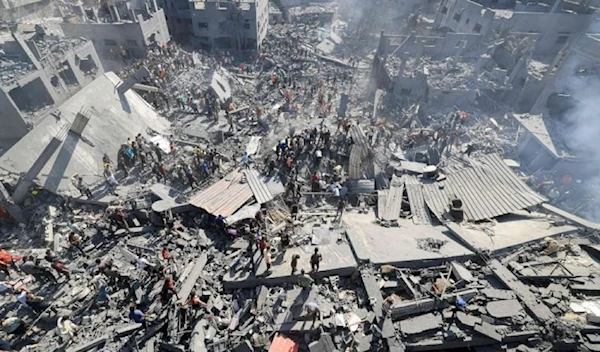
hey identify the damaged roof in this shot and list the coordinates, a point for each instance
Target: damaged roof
(123, 115)
(224, 197)
(488, 188)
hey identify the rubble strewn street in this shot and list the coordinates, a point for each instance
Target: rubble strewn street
(319, 185)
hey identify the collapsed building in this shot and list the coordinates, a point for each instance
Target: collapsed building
(407, 219)
(121, 31)
(38, 71)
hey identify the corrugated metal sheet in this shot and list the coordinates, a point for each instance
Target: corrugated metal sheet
(258, 187)
(225, 197)
(488, 188)
(361, 156)
(418, 209)
(394, 200)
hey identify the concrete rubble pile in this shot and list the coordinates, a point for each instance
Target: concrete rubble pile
(294, 206)
(11, 70)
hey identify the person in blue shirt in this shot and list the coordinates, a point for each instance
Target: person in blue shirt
(137, 315)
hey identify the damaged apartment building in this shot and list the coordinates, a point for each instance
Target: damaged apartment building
(13, 10)
(37, 72)
(120, 31)
(220, 25)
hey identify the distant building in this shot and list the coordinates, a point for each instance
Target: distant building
(37, 72)
(218, 25)
(134, 26)
(13, 10)
(551, 24)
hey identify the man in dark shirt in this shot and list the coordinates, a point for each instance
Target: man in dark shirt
(315, 259)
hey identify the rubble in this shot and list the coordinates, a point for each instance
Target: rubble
(302, 199)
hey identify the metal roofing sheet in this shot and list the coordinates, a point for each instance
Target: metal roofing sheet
(394, 199)
(258, 187)
(225, 196)
(488, 188)
(418, 209)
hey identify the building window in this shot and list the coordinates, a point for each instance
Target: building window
(477, 28)
(247, 25)
(562, 39)
(110, 42)
(131, 42)
(444, 10)
(457, 17)
(202, 25)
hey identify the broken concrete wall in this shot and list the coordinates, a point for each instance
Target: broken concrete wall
(134, 37)
(438, 47)
(464, 16)
(557, 29)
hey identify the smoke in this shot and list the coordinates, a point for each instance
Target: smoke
(579, 128)
(581, 123)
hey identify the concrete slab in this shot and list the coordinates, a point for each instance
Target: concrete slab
(494, 293)
(337, 260)
(399, 245)
(505, 308)
(421, 324)
(124, 115)
(513, 230)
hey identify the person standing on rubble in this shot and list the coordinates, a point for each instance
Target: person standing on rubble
(294, 263)
(75, 241)
(57, 264)
(168, 290)
(341, 206)
(304, 280)
(315, 260)
(81, 186)
(268, 259)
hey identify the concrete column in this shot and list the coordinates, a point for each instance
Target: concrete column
(14, 210)
(154, 6)
(95, 15)
(36, 168)
(132, 14)
(115, 13)
(556, 6)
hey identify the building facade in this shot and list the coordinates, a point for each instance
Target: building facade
(218, 25)
(550, 23)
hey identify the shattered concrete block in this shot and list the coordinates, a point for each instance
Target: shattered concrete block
(461, 273)
(468, 320)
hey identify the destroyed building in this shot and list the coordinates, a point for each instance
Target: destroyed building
(11, 10)
(339, 192)
(38, 71)
(551, 24)
(122, 31)
(219, 25)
